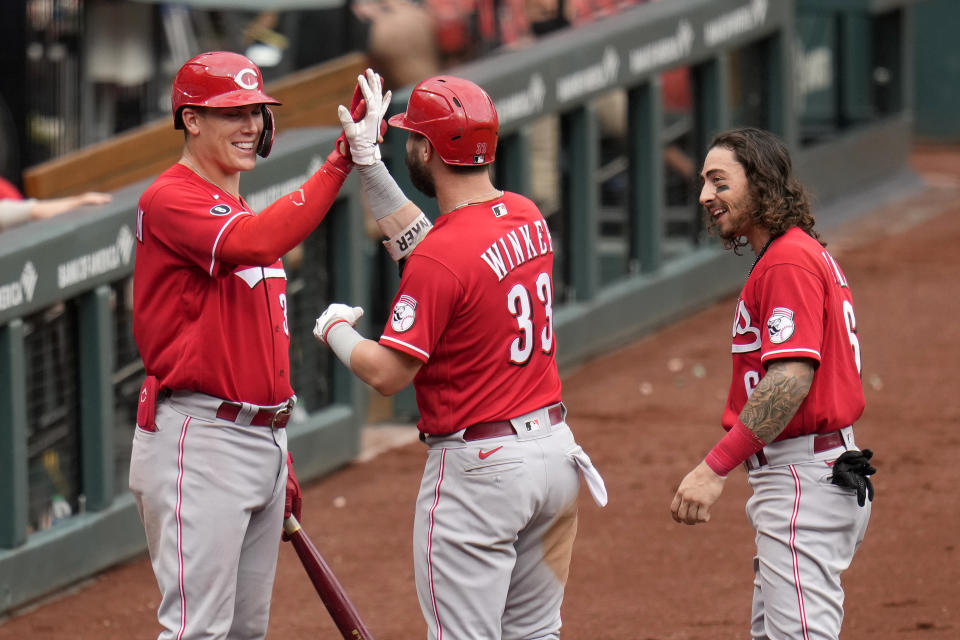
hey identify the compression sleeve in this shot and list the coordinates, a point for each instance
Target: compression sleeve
(264, 238)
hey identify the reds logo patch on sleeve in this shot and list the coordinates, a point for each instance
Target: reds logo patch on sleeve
(404, 314)
(220, 209)
(780, 325)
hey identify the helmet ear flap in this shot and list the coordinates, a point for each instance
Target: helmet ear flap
(266, 136)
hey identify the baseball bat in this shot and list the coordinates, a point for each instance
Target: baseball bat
(334, 597)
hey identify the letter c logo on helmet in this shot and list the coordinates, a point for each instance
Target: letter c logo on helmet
(456, 116)
(244, 80)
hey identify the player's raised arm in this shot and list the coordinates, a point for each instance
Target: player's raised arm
(266, 237)
(401, 221)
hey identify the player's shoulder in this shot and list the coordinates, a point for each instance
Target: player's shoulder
(432, 246)
(793, 250)
(520, 204)
(175, 174)
(458, 232)
(178, 189)
(795, 246)
(508, 211)
(173, 181)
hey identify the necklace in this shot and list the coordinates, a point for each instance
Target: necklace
(490, 195)
(760, 255)
(197, 171)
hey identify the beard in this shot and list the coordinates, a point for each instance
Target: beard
(732, 232)
(420, 177)
(738, 219)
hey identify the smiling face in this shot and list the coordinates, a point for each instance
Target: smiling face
(725, 195)
(225, 138)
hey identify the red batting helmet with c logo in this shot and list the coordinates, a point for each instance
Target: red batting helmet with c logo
(222, 79)
(456, 116)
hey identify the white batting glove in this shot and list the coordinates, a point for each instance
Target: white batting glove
(334, 314)
(362, 136)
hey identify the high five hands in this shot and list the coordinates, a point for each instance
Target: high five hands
(363, 135)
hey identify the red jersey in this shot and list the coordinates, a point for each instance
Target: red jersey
(475, 304)
(797, 303)
(200, 324)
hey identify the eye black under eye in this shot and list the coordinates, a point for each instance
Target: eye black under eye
(722, 187)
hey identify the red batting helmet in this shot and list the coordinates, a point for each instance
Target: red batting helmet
(456, 116)
(222, 79)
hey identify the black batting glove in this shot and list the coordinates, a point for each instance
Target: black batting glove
(851, 470)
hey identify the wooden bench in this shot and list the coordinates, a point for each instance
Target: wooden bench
(310, 98)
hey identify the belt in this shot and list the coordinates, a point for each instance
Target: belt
(821, 442)
(826, 441)
(274, 418)
(484, 430)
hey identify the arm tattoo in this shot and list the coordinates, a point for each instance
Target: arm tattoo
(776, 399)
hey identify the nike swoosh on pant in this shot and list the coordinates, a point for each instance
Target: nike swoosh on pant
(486, 454)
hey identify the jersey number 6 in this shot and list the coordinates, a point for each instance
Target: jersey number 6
(520, 306)
(851, 322)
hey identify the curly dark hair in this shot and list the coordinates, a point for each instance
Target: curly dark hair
(781, 201)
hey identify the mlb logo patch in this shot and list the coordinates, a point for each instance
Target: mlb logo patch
(478, 159)
(499, 210)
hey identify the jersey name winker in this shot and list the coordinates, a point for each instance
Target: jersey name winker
(519, 245)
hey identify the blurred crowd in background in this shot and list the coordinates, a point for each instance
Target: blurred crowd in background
(82, 71)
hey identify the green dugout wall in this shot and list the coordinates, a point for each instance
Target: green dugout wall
(591, 126)
(937, 69)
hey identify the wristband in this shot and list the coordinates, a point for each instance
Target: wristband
(327, 332)
(383, 195)
(403, 243)
(342, 340)
(733, 449)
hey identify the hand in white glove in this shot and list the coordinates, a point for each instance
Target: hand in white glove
(363, 135)
(333, 314)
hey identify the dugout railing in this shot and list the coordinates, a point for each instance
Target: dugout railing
(631, 253)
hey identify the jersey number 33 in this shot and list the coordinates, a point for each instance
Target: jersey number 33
(520, 304)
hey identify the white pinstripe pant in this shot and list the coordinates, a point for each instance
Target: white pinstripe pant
(210, 494)
(807, 532)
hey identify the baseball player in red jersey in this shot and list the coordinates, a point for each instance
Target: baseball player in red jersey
(210, 470)
(472, 329)
(794, 396)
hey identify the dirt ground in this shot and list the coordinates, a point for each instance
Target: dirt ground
(647, 414)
